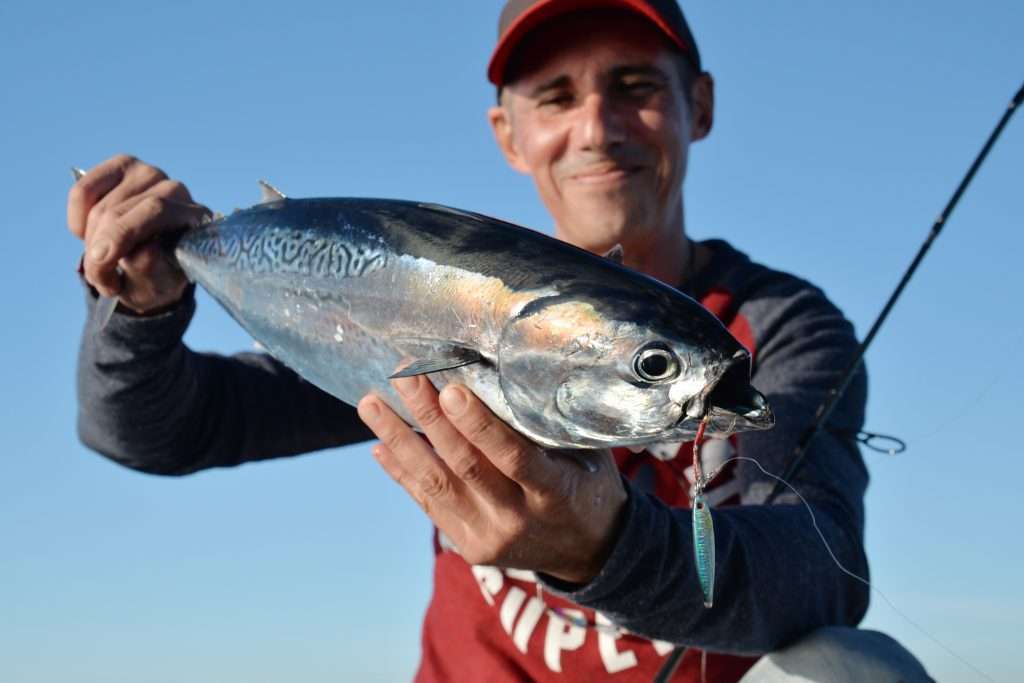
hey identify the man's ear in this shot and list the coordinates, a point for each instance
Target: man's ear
(501, 124)
(703, 96)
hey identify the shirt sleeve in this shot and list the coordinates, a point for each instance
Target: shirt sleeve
(150, 403)
(775, 579)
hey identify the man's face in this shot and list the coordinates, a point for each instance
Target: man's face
(596, 114)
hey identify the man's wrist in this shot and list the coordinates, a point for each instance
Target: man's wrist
(575, 579)
(184, 299)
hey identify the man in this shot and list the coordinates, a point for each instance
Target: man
(544, 570)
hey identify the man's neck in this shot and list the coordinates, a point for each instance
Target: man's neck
(670, 256)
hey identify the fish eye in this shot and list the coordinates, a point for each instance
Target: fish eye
(655, 363)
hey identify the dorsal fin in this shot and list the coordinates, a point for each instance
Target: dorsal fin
(269, 193)
(615, 254)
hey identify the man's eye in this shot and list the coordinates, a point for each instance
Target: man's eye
(559, 100)
(639, 88)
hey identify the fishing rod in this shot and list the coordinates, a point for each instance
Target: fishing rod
(828, 405)
(832, 398)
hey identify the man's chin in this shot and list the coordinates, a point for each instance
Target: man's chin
(600, 225)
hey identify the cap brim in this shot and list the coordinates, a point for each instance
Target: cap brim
(546, 10)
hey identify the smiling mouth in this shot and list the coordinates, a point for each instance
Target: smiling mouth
(608, 174)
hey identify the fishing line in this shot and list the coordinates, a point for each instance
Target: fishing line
(972, 405)
(848, 572)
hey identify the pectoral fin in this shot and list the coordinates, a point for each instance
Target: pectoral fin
(440, 358)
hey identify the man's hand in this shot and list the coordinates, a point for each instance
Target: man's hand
(500, 498)
(119, 209)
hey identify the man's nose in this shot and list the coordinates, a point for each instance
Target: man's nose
(600, 125)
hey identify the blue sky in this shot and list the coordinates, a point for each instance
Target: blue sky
(841, 130)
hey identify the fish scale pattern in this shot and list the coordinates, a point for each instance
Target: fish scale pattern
(268, 249)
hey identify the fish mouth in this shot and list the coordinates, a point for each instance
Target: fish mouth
(731, 402)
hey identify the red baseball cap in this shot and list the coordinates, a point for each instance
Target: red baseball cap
(519, 17)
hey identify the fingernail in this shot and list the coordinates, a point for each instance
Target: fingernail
(406, 386)
(99, 251)
(453, 401)
(369, 411)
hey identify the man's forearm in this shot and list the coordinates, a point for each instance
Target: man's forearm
(775, 580)
(150, 403)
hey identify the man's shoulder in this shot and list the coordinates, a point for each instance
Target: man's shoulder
(767, 297)
(733, 270)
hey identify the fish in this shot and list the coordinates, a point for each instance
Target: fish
(571, 349)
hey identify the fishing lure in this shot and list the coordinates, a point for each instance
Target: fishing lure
(704, 547)
(703, 525)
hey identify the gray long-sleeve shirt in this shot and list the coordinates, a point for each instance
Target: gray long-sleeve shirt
(150, 403)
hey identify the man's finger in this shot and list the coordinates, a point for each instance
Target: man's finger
(167, 188)
(91, 188)
(518, 458)
(383, 455)
(419, 471)
(136, 180)
(462, 457)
